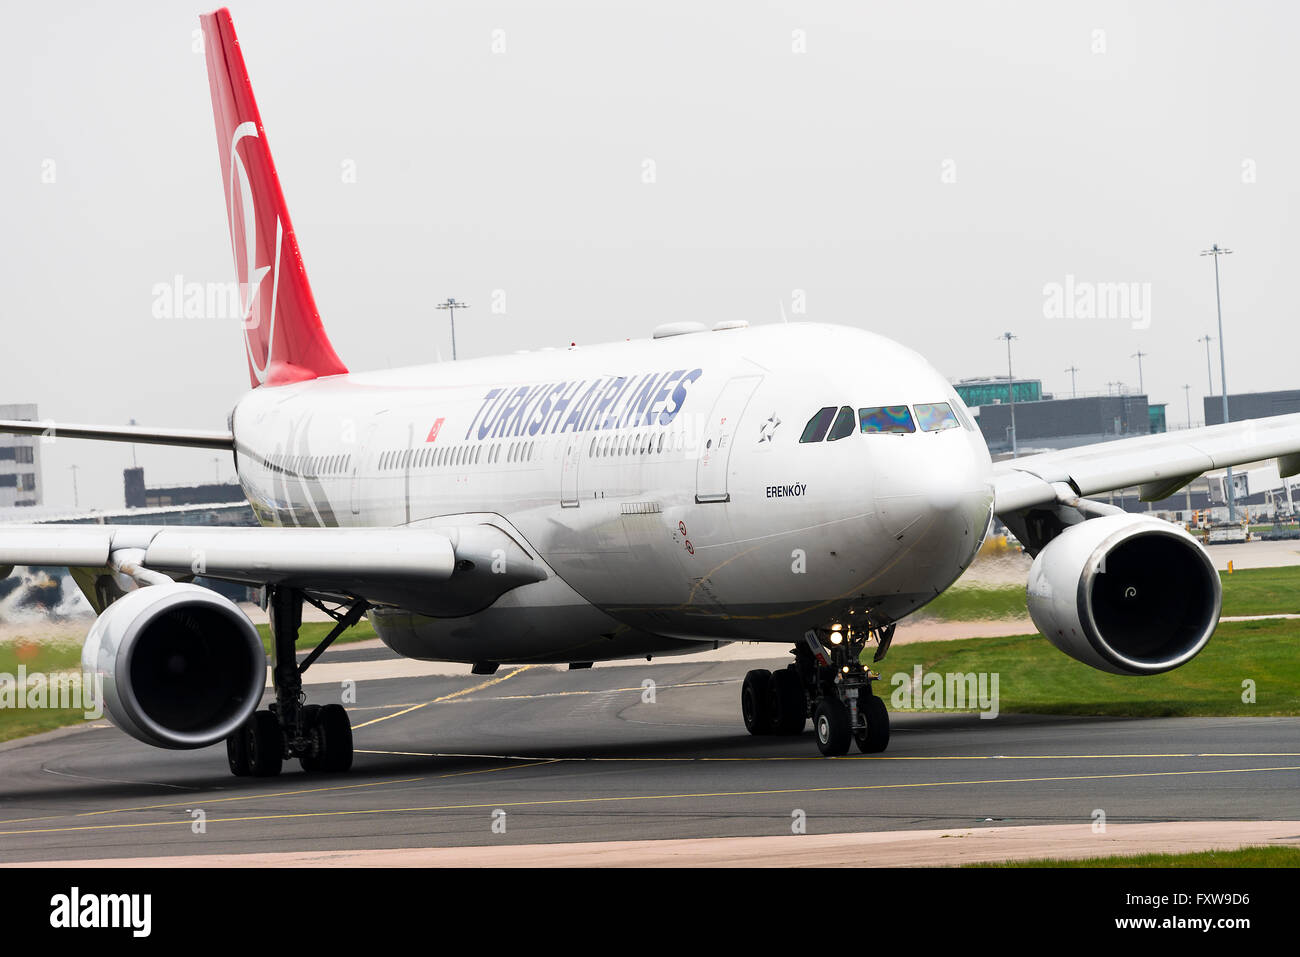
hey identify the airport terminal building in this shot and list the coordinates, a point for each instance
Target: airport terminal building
(20, 462)
(1066, 423)
(1252, 405)
(1045, 423)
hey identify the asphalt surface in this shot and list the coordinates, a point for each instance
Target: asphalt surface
(548, 756)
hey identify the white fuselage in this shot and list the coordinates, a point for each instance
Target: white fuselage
(662, 483)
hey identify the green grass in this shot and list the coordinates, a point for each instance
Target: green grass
(311, 633)
(1035, 678)
(1251, 591)
(1262, 591)
(39, 655)
(1269, 856)
(19, 724)
(978, 603)
(46, 657)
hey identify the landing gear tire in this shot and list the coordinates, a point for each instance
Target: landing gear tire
(756, 702)
(312, 760)
(790, 711)
(874, 738)
(331, 729)
(264, 744)
(237, 752)
(831, 722)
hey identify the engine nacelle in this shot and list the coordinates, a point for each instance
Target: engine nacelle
(1125, 594)
(181, 666)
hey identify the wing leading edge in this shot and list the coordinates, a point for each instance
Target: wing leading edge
(190, 438)
(1158, 464)
(446, 571)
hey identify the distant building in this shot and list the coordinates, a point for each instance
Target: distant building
(138, 495)
(207, 505)
(1065, 423)
(1251, 405)
(991, 390)
(20, 461)
(1051, 423)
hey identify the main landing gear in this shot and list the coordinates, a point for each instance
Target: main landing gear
(319, 736)
(828, 681)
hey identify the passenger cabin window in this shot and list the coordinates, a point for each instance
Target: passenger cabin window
(936, 416)
(816, 428)
(843, 425)
(886, 418)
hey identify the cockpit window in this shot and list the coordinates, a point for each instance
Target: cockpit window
(886, 418)
(816, 428)
(843, 425)
(962, 415)
(936, 416)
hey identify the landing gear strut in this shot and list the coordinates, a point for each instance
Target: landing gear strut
(827, 680)
(319, 736)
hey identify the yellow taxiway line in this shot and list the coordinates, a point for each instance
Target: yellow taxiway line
(447, 697)
(561, 802)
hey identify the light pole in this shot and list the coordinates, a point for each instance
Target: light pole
(1074, 391)
(76, 502)
(1207, 339)
(1216, 251)
(453, 305)
(1187, 394)
(1011, 391)
(1138, 356)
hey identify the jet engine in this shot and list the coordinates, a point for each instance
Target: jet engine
(181, 666)
(1125, 594)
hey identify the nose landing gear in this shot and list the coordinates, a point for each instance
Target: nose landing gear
(828, 680)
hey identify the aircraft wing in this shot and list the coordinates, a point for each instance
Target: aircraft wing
(191, 438)
(1158, 464)
(442, 571)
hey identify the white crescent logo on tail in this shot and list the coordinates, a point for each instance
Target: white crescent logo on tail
(249, 274)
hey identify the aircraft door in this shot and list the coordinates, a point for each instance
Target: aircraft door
(569, 471)
(719, 436)
(357, 469)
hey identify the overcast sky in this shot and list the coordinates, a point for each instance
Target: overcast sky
(925, 171)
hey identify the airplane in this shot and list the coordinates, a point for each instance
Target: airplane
(800, 484)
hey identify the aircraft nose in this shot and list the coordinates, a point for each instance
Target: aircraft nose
(927, 486)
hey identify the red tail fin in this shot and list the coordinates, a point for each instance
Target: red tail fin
(282, 329)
